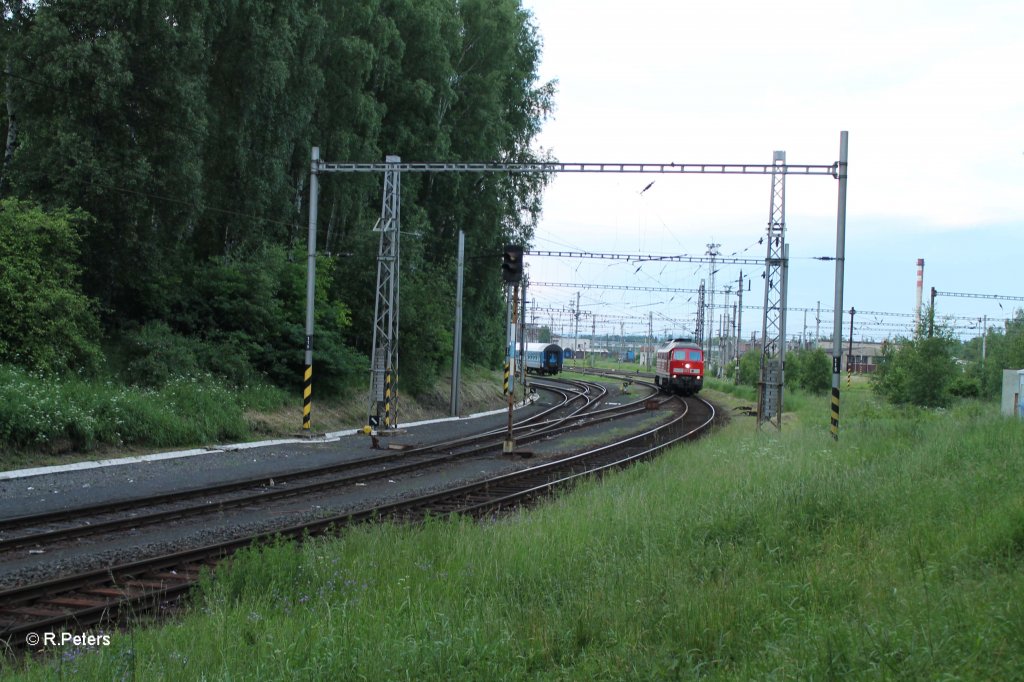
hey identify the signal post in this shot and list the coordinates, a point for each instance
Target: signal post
(512, 275)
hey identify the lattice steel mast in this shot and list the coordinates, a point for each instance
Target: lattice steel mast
(773, 337)
(698, 328)
(384, 356)
(712, 254)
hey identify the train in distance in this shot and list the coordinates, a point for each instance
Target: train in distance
(679, 367)
(543, 358)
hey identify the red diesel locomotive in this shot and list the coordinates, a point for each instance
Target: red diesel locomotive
(680, 367)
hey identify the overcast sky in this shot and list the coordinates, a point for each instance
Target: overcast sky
(932, 94)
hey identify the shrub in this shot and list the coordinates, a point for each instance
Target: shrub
(750, 367)
(965, 387)
(56, 414)
(810, 370)
(46, 322)
(916, 371)
(154, 354)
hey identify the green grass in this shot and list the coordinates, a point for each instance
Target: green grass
(894, 553)
(46, 414)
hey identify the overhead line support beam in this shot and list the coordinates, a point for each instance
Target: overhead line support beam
(555, 167)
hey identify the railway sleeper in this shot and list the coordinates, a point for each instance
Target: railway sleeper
(146, 584)
(36, 611)
(177, 576)
(116, 592)
(76, 602)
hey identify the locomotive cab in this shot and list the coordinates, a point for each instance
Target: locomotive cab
(680, 367)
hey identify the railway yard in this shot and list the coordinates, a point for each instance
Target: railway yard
(88, 546)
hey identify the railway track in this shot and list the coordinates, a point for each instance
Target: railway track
(43, 530)
(110, 594)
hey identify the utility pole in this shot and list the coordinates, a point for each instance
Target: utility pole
(931, 315)
(457, 353)
(734, 340)
(622, 340)
(522, 339)
(984, 337)
(650, 340)
(576, 350)
(842, 171)
(307, 380)
(817, 325)
(712, 253)
(739, 331)
(849, 352)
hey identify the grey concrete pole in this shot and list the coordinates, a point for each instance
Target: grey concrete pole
(837, 331)
(457, 352)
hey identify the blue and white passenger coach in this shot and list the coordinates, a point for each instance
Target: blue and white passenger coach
(543, 358)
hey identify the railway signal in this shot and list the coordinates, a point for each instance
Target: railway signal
(512, 264)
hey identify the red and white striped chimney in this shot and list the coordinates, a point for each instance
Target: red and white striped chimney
(920, 291)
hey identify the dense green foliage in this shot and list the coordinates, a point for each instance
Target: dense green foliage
(894, 553)
(809, 369)
(917, 371)
(750, 367)
(183, 131)
(46, 323)
(1003, 349)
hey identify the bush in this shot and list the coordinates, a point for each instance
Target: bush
(154, 354)
(37, 411)
(810, 370)
(916, 371)
(46, 322)
(965, 387)
(750, 367)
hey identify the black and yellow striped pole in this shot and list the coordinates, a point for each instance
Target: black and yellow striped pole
(387, 399)
(834, 426)
(508, 370)
(307, 398)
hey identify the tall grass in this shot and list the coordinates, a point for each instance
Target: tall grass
(894, 553)
(46, 413)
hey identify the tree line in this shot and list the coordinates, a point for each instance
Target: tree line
(156, 168)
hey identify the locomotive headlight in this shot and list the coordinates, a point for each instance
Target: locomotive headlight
(687, 365)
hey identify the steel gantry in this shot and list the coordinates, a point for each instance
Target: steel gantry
(384, 357)
(993, 297)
